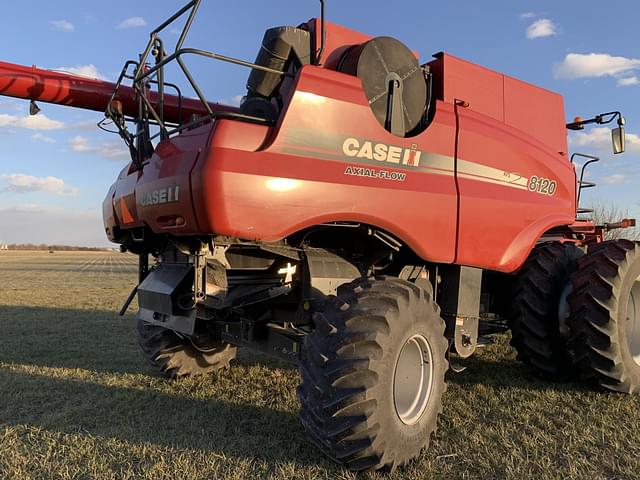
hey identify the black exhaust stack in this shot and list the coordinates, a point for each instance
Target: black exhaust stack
(282, 48)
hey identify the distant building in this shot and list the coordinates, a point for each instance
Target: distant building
(4, 246)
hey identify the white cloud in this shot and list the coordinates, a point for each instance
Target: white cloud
(629, 81)
(83, 125)
(88, 71)
(39, 137)
(542, 27)
(233, 101)
(30, 122)
(578, 65)
(63, 25)
(616, 178)
(28, 207)
(528, 15)
(132, 22)
(12, 105)
(599, 139)
(110, 150)
(20, 183)
(30, 223)
(79, 144)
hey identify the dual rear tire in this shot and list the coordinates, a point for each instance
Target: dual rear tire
(605, 320)
(577, 315)
(539, 313)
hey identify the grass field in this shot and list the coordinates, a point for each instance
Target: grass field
(77, 401)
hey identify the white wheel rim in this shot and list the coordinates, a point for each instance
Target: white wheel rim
(633, 322)
(412, 382)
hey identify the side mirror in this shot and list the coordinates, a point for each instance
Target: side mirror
(617, 139)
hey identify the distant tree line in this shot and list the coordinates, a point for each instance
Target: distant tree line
(608, 212)
(59, 248)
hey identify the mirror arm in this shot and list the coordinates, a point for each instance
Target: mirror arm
(601, 119)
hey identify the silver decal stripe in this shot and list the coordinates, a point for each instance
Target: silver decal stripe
(491, 180)
(476, 171)
(299, 141)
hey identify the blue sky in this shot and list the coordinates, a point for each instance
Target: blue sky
(55, 168)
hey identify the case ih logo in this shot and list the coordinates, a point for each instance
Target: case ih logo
(160, 196)
(352, 147)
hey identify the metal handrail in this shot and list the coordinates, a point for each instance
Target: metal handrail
(582, 183)
(145, 75)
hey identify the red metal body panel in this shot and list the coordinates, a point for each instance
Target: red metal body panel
(261, 183)
(536, 111)
(457, 79)
(64, 89)
(470, 189)
(526, 107)
(109, 214)
(299, 179)
(499, 226)
(124, 201)
(137, 199)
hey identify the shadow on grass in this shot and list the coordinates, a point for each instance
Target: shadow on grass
(102, 341)
(502, 373)
(96, 340)
(69, 338)
(148, 416)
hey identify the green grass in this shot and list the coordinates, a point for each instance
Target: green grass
(78, 401)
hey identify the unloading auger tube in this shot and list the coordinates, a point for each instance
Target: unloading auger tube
(63, 88)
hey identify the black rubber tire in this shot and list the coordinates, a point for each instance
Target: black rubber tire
(348, 371)
(175, 356)
(536, 333)
(599, 336)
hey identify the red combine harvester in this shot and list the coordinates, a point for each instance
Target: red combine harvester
(363, 216)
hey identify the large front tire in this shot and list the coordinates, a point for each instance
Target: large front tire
(176, 356)
(373, 374)
(605, 316)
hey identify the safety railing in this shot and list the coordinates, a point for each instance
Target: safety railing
(144, 77)
(582, 183)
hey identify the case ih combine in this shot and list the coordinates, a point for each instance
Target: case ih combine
(363, 216)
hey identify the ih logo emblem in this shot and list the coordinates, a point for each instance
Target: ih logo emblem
(352, 147)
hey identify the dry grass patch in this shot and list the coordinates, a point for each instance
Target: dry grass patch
(77, 401)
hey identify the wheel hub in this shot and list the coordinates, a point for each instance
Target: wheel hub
(413, 379)
(633, 321)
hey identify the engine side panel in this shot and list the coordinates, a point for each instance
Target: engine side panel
(330, 161)
(515, 189)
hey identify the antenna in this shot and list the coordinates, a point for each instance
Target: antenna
(322, 33)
